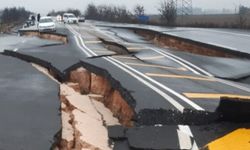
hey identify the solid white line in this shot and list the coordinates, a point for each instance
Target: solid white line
(235, 85)
(186, 129)
(184, 140)
(78, 44)
(178, 60)
(183, 98)
(194, 105)
(184, 65)
(232, 84)
(177, 105)
(164, 95)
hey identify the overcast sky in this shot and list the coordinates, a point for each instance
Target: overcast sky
(43, 6)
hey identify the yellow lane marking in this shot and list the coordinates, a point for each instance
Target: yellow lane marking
(92, 42)
(236, 140)
(156, 66)
(99, 49)
(135, 48)
(124, 57)
(213, 96)
(179, 77)
(105, 52)
(151, 58)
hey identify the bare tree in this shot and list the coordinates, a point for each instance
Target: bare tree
(139, 10)
(91, 12)
(108, 13)
(243, 13)
(168, 11)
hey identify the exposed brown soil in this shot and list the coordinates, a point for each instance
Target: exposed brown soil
(48, 36)
(182, 45)
(91, 83)
(84, 117)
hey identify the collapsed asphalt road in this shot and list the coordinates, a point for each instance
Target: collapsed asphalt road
(166, 99)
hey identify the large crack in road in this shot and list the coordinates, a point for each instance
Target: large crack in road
(92, 100)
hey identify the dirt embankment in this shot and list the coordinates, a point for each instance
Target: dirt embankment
(190, 46)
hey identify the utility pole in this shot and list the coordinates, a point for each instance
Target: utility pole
(184, 8)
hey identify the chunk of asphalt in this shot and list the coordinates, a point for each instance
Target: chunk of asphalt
(117, 132)
(157, 138)
(121, 145)
(173, 117)
(199, 117)
(158, 116)
(234, 109)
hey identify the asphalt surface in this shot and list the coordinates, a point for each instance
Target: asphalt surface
(163, 92)
(29, 107)
(227, 68)
(217, 37)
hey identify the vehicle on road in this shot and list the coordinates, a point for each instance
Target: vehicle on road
(46, 24)
(59, 18)
(70, 18)
(81, 19)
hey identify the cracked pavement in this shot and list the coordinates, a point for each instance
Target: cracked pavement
(146, 98)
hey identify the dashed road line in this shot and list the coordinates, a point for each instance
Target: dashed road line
(125, 57)
(135, 74)
(152, 58)
(92, 42)
(214, 96)
(179, 77)
(135, 48)
(157, 66)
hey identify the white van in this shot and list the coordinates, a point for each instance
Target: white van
(69, 18)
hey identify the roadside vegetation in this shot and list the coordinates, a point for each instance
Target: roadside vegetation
(76, 12)
(108, 13)
(167, 16)
(11, 17)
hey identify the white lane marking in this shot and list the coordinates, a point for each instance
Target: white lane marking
(76, 37)
(180, 106)
(78, 44)
(235, 85)
(178, 60)
(186, 129)
(232, 84)
(164, 95)
(184, 140)
(183, 98)
(184, 65)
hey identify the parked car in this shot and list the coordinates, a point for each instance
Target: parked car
(81, 19)
(70, 18)
(46, 24)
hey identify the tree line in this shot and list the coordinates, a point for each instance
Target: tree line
(14, 15)
(113, 13)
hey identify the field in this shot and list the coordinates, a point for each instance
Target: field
(218, 20)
